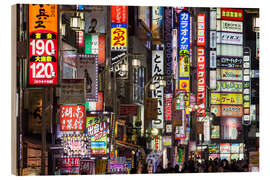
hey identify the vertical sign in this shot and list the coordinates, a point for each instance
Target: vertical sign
(118, 37)
(184, 19)
(201, 29)
(95, 44)
(72, 117)
(168, 107)
(168, 47)
(157, 69)
(174, 53)
(157, 22)
(118, 14)
(201, 79)
(43, 43)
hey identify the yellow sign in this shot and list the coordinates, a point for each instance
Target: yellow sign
(226, 98)
(42, 17)
(184, 85)
(184, 66)
(119, 37)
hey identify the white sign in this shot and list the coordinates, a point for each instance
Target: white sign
(157, 69)
(213, 22)
(213, 79)
(229, 26)
(213, 59)
(229, 38)
(213, 39)
(229, 50)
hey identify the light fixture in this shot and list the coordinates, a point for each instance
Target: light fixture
(154, 131)
(178, 101)
(196, 107)
(75, 22)
(152, 87)
(63, 29)
(162, 83)
(256, 24)
(136, 63)
(82, 24)
(186, 97)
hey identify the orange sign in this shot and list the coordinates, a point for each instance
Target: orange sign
(227, 110)
(42, 17)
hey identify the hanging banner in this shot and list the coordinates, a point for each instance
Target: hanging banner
(227, 110)
(95, 44)
(95, 106)
(75, 145)
(213, 59)
(168, 107)
(184, 28)
(230, 62)
(118, 14)
(43, 45)
(95, 19)
(72, 91)
(128, 109)
(174, 53)
(201, 99)
(98, 130)
(201, 30)
(229, 86)
(213, 39)
(229, 74)
(168, 48)
(88, 70)
(151, 105)
(229, 38)
(229, 26)
(157, 24)
(72, 117)
(229, 50)
(232, 14)
(118, 37)
(157, 69)
(226, 98)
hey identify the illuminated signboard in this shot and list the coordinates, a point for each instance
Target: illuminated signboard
(226, 98)
(157, 143)
(98, 130)
(229, 50)
(95, 106)
(168, 107)
(201, 78)
(118, 37)
(215, 132)
(227, 110)
(157, 21)
(95, 44)
(230, 62)
(229, 38)
(229, 26)
(43, 45)
(225, 148)
(229, 74)
(118, 14)
(232, 14)
(174, 53)
(72, 117)
(75, 145)
(229, 86)
(201, 29)
(157, 69)
(184, 22)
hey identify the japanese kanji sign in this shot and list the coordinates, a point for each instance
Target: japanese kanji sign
(118, 14)
(72, 117)
(184, 32)
(226, 98)
(43, 43)
(232, 14)
(119, 37)
(201, 29)
(201, 79)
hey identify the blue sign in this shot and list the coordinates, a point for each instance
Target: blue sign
(184, 22)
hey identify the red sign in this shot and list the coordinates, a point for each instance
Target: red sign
(128, 110)
(101, 49)
(70, 162)
(80, 38)
(201, 29)
(168, 107)
(232, 14)
(201, 80)
(118, 14)
(72, 117)
(43, 45)
(87, 166)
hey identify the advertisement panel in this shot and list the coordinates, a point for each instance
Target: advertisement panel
(232, 14)
(226, 98)
(95, 106)
(184, 66)
(118, 37)
(72, 91)
(157, 24)
(215, 132)
(118, 14)
(225, 148)
(231, 128)
(117, 56)
(184, 23)
(213, 59)
(168, 19)
(157, 69)
(157, 143)
(229, 38)
(98, 130)
(151, 105)
(230, 62)
(213, 22)
(166, 141)
(213, 79)
(75, 145)
(229, 26)
(94, 17)
(174, 53)
(229, 74)
(229, 50)
(144, 15)
(213, 39)
(201, 99)
(168, 107)
(200, 29)
(180, 131)
(95, 44)
(229, 86)
(87, 166)
(88, 70)
(43, 45)
(227, 110)
(72, 117)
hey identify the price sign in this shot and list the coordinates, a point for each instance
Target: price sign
(42, 45)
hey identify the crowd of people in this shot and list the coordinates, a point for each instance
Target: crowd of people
(194, 166)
